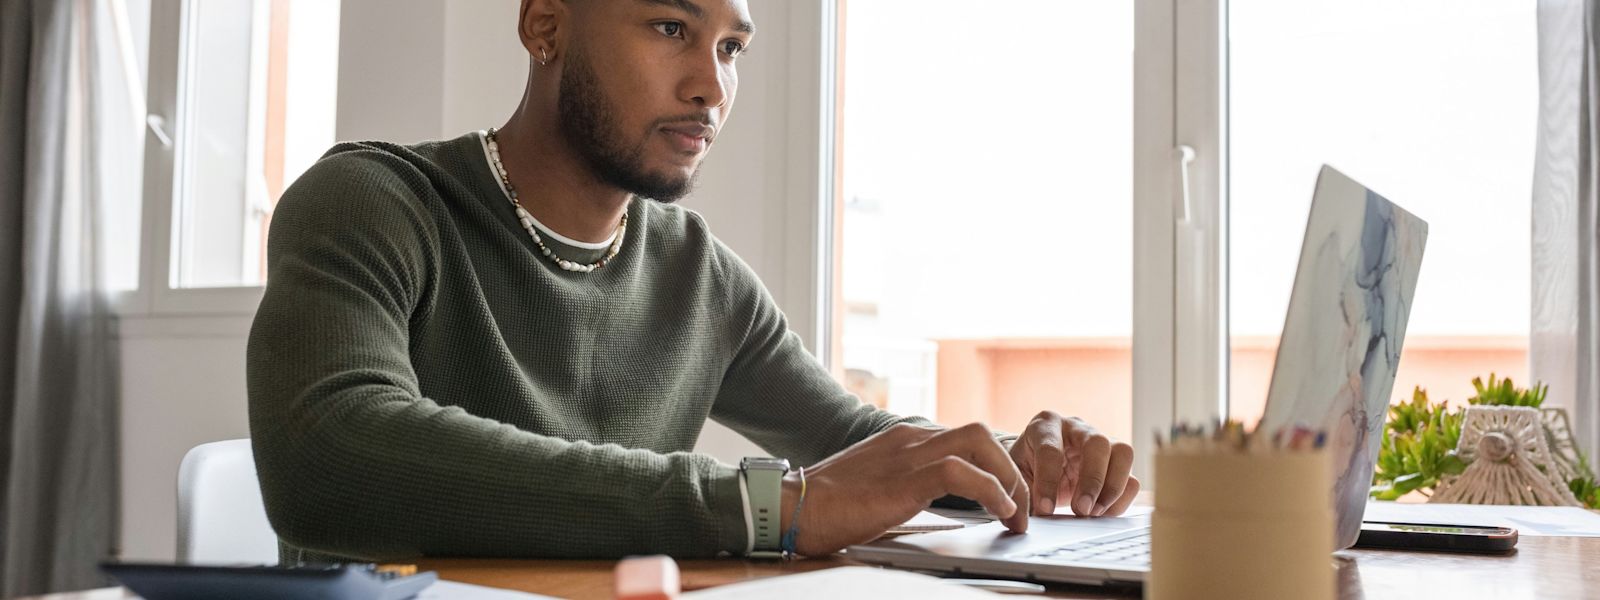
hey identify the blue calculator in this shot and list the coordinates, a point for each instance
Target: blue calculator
(166, 581)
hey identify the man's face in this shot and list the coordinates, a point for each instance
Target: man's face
(647, 85)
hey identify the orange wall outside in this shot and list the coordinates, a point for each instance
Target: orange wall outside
(1004, 382)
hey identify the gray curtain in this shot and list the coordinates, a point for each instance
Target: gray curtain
(1565, 342)
(58, 382)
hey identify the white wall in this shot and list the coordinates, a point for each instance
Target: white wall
(485, 65)
(182, 386)
(412, 70)
(391, 67)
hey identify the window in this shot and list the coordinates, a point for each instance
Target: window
(241, 103)
(985, 209)
(1433, 105)
(995, 196)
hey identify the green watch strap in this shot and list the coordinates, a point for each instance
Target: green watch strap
(764, 482)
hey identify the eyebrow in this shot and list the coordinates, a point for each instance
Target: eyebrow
(695, 11)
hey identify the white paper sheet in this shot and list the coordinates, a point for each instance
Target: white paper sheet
(844, 583)
(927, 521)
(1537, 521)
(455, 590)
(1133, 511)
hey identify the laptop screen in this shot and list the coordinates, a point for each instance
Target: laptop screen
(1341, 339)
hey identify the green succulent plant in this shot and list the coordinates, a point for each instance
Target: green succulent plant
(1587, 490)
(1418, 447)
(1419, 441)
(1506, 394)
(1585, 487)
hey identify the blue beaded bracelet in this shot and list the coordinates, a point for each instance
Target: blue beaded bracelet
(786, 544)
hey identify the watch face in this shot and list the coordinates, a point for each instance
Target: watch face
(764, 463)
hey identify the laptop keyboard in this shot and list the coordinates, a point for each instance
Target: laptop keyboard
(1124, 548)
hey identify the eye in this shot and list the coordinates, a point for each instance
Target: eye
(733, 48)
(669, 28)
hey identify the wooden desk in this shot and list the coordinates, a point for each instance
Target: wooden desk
(1541, 568)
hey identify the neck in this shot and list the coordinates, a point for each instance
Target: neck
(553, 183)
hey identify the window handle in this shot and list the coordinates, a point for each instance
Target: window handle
(158, 126)
(1185, 156)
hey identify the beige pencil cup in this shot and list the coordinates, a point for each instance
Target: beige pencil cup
(1241, 525)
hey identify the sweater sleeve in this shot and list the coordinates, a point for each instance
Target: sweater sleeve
(777, 393)
(354, 461)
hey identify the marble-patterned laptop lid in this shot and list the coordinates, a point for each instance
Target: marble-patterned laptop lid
(1341, 340)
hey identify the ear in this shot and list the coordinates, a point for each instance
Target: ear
(540, 24)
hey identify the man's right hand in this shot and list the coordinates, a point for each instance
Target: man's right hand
(854, 496)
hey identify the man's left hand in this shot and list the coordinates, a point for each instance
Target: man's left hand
(1065, 458)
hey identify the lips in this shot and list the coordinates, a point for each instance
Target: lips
(690, 137)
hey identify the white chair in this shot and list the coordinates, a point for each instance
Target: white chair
(221, 519)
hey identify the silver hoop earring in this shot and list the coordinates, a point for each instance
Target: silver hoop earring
(544, 58)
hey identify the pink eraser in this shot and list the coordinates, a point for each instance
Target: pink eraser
(647, 578)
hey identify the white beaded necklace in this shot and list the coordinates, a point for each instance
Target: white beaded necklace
(527, 219)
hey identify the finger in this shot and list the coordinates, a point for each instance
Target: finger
(975, 444)
(1094, 455)
(1129, 493)
(1043, 440)
(1117, 472)
(952, 475)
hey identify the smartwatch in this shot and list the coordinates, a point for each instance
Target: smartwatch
(763, 480)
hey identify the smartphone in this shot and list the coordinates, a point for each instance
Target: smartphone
(1449, 538)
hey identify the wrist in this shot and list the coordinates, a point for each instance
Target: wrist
(793, 503)
(791, 497)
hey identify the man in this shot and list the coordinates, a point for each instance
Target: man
(506, 344)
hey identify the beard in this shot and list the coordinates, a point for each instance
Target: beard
(589, 125)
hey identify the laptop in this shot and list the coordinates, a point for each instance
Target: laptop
(1335, 367)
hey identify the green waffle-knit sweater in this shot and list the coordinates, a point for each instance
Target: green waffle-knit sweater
(423, 383)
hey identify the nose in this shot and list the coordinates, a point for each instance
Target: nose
(710, 82)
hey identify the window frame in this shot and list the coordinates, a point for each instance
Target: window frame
(1179, 357)
(169, 98)
(1200, 350)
